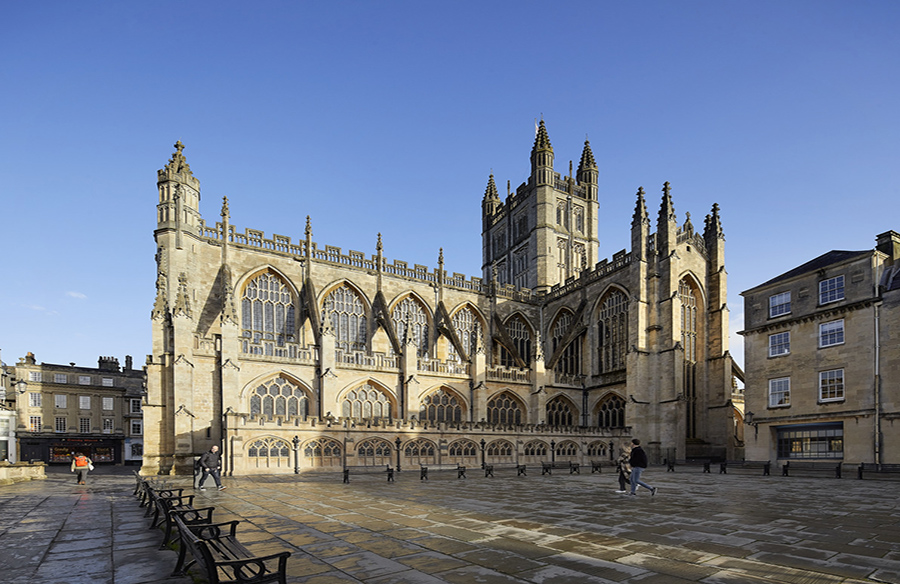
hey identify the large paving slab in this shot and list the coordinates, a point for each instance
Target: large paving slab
(708, 528)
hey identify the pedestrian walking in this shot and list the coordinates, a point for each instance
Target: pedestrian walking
(211, 464)
(82, 464)
(624, 468)
(638, 462)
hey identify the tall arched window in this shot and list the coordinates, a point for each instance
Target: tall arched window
(348, 318)
(520, 333)
(504, 409)
(468, 329)
(613, 331)
(279, 397)
(569, 362)
(267, 315)
(560, 412)
(611, 412)
(567, 450)
(323, 452)
(441, 406)
(366, 402)
(688, 298)
(597, 450)
(535, 451)
(410, 322)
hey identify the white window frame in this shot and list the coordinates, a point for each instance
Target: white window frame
(839, 385)
(779, 304)
(107, 382)
(84, 402)
(81, 425)
(84, 380)
(136, 406)
(34, 423)
(60, 378)
(108, 425)
(34, 376)
(137, 424)
(34, 399)
(780, 392)
(61, 400)
(831, 290)
(829, 338)
(61, 424)
(780, 344)
(109, 403)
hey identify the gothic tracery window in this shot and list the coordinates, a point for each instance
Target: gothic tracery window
(323, 452)
(374, 452)
(504, 409)
(279, 397)
(269, 452)
(569, 362)
(348, 318)
(611, 412)
(441, 406)
(366, 402)
(410, 321)
(613, 331)
(520, 333)
(567, 449)
(467, 326)
(560, 412)
(419, 451)
(267, 314)
(688, 298)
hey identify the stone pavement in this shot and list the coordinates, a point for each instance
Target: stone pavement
(713, 529)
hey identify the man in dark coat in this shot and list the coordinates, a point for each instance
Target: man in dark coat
(211, 464)
(638, 461)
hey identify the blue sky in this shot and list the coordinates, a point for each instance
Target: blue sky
(389, 116)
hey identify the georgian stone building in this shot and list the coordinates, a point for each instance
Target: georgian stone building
(822, 348)
(64, 409)
(294, 356)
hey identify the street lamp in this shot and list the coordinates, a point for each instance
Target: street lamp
(296, 442)
(398, 442)
(482, 452)
(552, 451)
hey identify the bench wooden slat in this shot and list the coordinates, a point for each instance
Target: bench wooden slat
(765, 465)
(521, 469)
(872, 467)
(573, 467)
(812, 466)
(223, 558)
(377, 469)
(424, 468)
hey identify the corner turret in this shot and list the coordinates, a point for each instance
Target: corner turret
(588, 174)
(179, 194)
(666, 225)
(542, 157)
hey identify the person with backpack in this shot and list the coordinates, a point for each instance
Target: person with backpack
(82, 464)
(624, 469)
(211, 464)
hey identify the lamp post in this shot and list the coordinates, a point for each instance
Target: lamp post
(398, 442)
(482, 452)
(296, 442)
(552, 451)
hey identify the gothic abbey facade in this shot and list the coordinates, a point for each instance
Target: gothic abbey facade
(295, 357)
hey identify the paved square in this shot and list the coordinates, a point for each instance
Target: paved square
(557, 529)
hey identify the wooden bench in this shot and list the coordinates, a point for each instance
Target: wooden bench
(831, 468)
(521, 469)
(573, 467)
(765, 465)
(386, 469)
(872, 467)
(214, 549)
(153, 496)
(423, 470)
(184, 507)
(597, 465)
(689, 462)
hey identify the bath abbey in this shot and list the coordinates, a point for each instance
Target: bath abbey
(294, 356)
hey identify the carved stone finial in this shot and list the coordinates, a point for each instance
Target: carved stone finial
(308, 231)
(225, 213)
(378, 246)
(441, 256)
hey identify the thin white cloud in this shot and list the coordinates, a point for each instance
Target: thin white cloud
(35, 307)
(78, 295)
